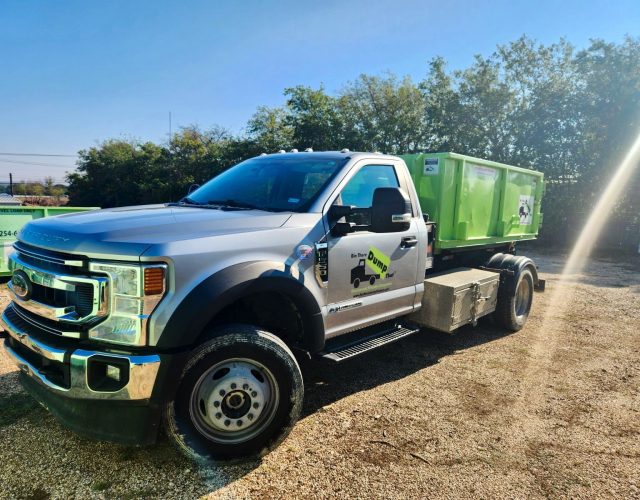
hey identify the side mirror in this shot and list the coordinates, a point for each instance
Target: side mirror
(192, 188)
(390, 211)
(342, 228)
(337, 212)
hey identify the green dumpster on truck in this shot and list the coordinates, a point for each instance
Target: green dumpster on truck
(476, 202)
(13, 218)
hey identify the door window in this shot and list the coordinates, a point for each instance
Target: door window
(359, 190)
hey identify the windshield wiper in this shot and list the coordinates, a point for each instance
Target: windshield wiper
(184, 201)
(234, 204)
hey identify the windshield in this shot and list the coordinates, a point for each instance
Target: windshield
(278, 184)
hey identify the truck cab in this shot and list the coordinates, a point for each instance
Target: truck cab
(193, 315)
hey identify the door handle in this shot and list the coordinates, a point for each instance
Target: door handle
(408, 241)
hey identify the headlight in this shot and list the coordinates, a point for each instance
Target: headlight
(135, 291)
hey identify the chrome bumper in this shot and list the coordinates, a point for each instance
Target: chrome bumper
(142, 370)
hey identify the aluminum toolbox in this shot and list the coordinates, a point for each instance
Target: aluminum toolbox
(457, 297)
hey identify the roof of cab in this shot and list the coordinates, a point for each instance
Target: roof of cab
(327, 154)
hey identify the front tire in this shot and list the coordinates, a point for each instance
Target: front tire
(513, 308)
(239, 396)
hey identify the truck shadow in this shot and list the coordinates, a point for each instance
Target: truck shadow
(327, 382)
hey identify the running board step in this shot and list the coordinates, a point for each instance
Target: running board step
(359, 346)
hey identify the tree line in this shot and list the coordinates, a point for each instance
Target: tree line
(46, 187)
(569, 113)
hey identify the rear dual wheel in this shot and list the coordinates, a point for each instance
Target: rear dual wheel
(240, 395)
(514, 302)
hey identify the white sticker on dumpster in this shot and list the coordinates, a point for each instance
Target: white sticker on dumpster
(431, 166)
(487, 173)
(526, 210)
(7, 249)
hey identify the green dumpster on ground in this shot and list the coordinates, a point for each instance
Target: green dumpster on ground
(13, 218)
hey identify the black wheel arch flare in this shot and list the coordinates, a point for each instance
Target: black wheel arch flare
(228, 285)
(515, 264)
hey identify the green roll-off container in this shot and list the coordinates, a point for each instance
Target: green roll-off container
(476, 202)
(13, 218)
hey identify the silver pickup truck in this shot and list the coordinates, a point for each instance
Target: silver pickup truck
(187, 315)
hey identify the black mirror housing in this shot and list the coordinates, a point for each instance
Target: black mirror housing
(390, 211)
(342, 228)
(337, 212)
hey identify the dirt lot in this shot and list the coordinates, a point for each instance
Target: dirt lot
(552, 411)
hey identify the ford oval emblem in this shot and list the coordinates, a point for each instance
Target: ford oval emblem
(21, 285)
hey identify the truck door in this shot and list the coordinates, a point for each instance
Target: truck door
(372, 276)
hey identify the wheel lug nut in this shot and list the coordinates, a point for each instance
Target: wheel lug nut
(250, 416)
(216, 403)
(218, 415)
(227, 422)
(254, 394)
(245, 386)
(222, 393)
(233, 386)
(239, 422)
(255, 405)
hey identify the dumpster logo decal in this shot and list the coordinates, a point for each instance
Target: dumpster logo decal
(378, 262)
(526, 210)
(431, 166)
(371, 273)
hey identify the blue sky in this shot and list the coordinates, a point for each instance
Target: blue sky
(73, 73)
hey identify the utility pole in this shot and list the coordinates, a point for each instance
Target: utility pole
(170, 162)
(11, 184)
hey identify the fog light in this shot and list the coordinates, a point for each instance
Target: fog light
(107, 374)
(114, 372)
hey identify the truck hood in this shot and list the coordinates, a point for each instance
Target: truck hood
(129, 231)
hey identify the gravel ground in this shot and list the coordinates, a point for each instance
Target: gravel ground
(551, 411)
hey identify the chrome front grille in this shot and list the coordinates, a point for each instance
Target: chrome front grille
(52, 261)
(33, 323)
(81, 298)
(60, 296)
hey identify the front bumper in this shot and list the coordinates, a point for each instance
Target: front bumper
(66, 379)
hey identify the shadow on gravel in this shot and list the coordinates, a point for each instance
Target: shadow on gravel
(327, 382)
(89, 468)
(17, 406)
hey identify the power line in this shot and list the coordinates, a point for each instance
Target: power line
(31, 181)
(38, 154)
(36, 164)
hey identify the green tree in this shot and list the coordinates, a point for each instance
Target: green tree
(569, 114)
(382, 114)
(118, 173)
(48, 185)
(270, 129)
(313, 118)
